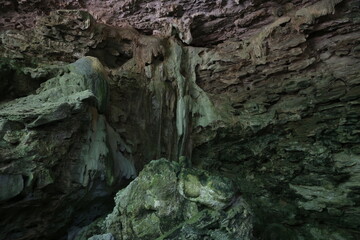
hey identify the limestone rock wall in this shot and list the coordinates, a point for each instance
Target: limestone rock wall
(292, 91)
(265, 93)
(58, 154)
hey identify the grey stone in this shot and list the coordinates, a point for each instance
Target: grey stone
(10, 186)
(107, 236)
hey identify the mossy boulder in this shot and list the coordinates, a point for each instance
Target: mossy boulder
(168, 201)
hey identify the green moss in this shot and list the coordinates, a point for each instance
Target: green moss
(147, 227)
(192, 186)
(156, 206)
(192, 220)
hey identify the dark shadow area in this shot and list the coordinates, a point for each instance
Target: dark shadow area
(14, 83)
(112, 53)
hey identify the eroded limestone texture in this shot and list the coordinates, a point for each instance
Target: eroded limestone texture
(264, 93)
(58, 154)
(168, 201)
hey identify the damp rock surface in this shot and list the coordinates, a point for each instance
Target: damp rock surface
(55, 154)
(265, 93)
(11, 185)
(153, 206)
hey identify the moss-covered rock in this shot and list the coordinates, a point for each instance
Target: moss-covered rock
(161, 204)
